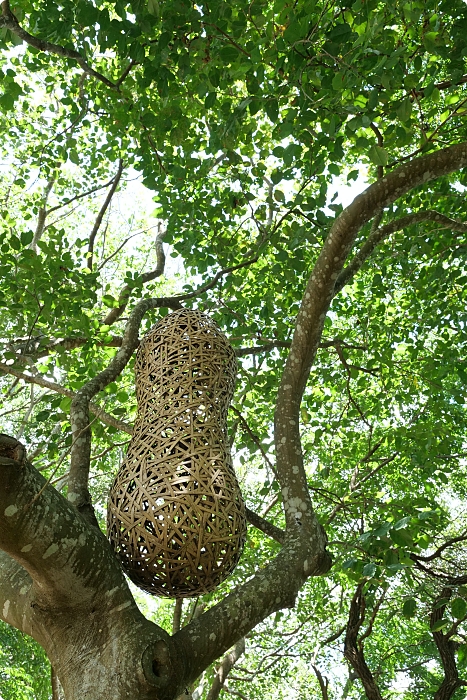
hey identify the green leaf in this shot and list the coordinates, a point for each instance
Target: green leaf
(272, 110)
(109, 301)
(409, 608)
(65, 404)
(42, 415)
(404, 521)
(153, 7)
(338, 81)
(401, 537)
(440, 624)
(459, 608)
(431, 40)
(378, 155)
(373, 99)
(405, 109)
(15, 242)
(382, 530)
(462, 655)
(26, 238)
(369, 570)
(210, 99)
(340, 32)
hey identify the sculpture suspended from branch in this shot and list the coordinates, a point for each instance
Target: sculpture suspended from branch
(176, 517)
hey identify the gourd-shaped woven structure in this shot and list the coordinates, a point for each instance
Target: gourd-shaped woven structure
(176, 517)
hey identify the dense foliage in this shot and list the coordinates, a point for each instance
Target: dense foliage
(251, 123)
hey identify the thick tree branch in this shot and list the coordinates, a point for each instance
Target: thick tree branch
(272, 588)
(75, 587)
(383, 232)
(55, 683)
(310, 320)
(103, 209)
(15, 592)
(9, 21)
(58, 553)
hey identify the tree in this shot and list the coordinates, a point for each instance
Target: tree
(350, 322)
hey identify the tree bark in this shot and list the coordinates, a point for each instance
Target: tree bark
(55, 685)
(224, 668)
(61, 582)
(353, 647)
(446, 648)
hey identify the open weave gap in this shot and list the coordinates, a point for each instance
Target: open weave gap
(176, 517)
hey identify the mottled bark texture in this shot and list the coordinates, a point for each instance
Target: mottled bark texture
(60, 581)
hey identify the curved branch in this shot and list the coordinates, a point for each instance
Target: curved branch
(59, 553)
(323, 682)
(384, 231)
(437, 553)
(225, 666)
(353, 650)
(318, 295)
(75, 589)
(123, 299)
(15, 590)
(273, 588)
(9, 21)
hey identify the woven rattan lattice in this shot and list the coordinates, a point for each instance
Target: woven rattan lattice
(176, 517)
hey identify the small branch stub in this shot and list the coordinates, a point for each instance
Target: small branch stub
(176, 517)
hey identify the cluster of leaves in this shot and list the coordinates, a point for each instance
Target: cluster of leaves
(240, 117)
(24, 667)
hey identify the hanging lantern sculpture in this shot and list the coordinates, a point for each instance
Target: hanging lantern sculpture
(176, 517)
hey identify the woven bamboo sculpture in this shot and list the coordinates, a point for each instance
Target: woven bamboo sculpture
(176, 517)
